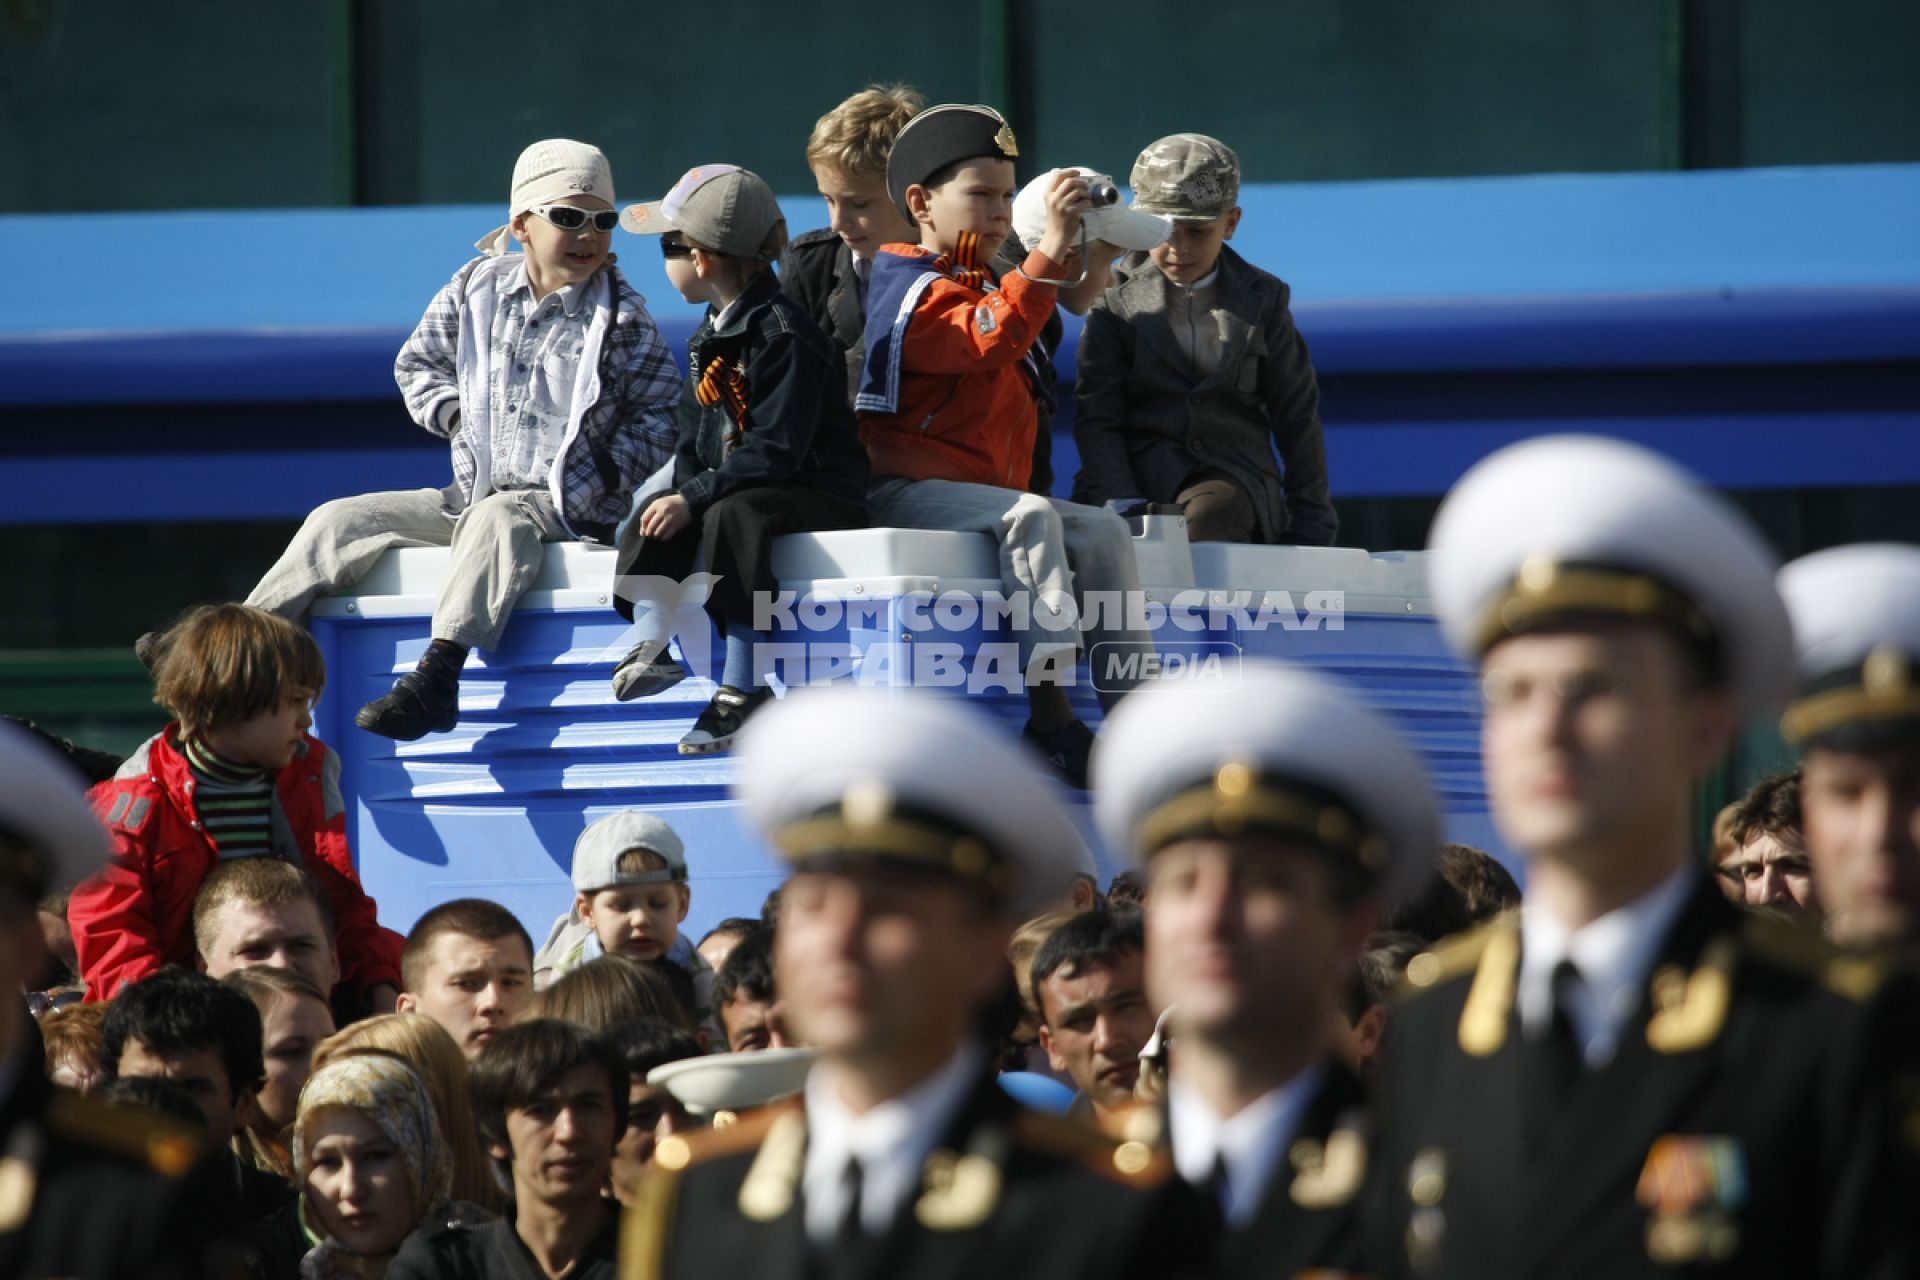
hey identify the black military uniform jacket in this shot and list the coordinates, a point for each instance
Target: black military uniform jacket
(91, 1190)
(1008, 1193)
(1757, 1119)
(1309, 1220)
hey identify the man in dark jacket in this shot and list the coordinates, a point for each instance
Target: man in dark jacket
(1191, 371)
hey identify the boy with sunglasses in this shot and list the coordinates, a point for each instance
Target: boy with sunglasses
(767, 443)
(547, 376)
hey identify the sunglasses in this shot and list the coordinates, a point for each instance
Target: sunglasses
(675, 247)
(568, 218)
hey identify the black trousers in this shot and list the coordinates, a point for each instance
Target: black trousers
(736, 536)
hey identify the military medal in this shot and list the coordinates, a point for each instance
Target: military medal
(1693, 1185)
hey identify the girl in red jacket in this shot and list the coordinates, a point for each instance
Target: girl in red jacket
(236, 775)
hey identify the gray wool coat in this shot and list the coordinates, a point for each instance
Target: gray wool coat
(1145, 422)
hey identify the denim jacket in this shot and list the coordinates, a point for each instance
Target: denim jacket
(794, 425)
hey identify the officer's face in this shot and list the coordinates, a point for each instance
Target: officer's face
(561, 1145)
(357, 1182)
(473, 987)
(203, 1075)
(1593, 741)
(1246, 941)
(652, 1114)
(1096, 1022)
(885, 969)
(1861, 812)
(288, 935)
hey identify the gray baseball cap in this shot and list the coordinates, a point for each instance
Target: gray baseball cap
(596, 854)
(1186, 176)
(724, 207)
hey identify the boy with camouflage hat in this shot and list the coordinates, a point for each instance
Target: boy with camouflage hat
(1191, 370)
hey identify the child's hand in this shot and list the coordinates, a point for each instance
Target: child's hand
(1067, 200)
(665, 516)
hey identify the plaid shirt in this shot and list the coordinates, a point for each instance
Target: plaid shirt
(625, 435)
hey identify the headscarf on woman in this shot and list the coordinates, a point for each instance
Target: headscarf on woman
(386, 1092)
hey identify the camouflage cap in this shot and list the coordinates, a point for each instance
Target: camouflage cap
(1186, 175)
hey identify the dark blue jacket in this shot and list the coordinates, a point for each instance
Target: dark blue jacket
(797, 425)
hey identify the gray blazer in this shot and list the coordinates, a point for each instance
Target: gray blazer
(1145, 421)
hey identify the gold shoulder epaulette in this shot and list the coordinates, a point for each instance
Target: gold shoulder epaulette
(166, 1146)
(1852, 975)
(1130, 1161)
(1449, 958)
(681, 1150)
(647, 1224)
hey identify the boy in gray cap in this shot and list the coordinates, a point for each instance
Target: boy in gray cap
(766, 445)
(1191, 370)
(547, 376)
(630, 898)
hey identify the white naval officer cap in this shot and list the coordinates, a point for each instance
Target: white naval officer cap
(1573, 527)
(1281, 751)
(50, 839)
(715, 1082)
(1856, 625)
(843, 777)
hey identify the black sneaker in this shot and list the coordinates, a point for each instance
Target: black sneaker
(425, 700)
(715, 729)
(1066, 749)
(646, 670)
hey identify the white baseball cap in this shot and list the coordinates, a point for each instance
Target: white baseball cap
(1119, 226)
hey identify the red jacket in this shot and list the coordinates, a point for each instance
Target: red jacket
(136, 916)
(960, 391)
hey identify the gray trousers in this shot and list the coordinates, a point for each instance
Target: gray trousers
(496, 554)
(1053, 551)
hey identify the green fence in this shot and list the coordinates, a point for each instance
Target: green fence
(123, 104)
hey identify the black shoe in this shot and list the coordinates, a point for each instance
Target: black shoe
(715, 729)
(425, 700)
(1066, 749)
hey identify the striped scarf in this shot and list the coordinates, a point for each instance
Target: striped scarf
(962, 263)
(235, 803)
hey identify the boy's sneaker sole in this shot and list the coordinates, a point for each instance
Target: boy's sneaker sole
(646, 670)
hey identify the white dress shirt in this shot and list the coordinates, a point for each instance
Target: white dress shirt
(1614, 955)
(891, 1141)
(1250, 1144)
